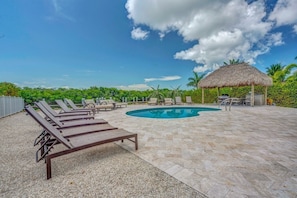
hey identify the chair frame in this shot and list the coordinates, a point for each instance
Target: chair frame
(65, 109)
(66, 116)
(52, 136)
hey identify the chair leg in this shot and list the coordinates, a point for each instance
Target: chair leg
(48, 168)
(136, 142)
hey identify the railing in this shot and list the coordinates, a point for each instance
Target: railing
(10, 105)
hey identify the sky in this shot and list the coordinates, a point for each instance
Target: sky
(139, 44)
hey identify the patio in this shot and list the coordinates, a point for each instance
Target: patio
(245, 152)
(248, 151)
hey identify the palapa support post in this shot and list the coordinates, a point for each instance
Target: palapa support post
(202, 95)
(253, 95)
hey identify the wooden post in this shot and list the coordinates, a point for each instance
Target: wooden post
(202, 95)
(253, 96)
(265, 96)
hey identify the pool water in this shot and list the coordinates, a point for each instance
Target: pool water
(169, 112)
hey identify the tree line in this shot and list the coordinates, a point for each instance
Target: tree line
(282, 93)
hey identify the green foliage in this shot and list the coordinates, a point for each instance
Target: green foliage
(273, 69)
(281, 73)
(157, 93)
(193, 81)
(282, 93)
(233, 62)
(8, 89)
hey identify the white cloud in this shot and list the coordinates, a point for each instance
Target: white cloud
(275, 39)
(223, 29)
(161, 35)
(164, 78)
(295, 28)
(139, 87)
(59, 12)
(284, 12)
(139, 34)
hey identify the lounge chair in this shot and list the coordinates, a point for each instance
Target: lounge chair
(90, 104)
(114, 103)
(152, 101)
(188, 99)
(65, 116)
(62, 123)
(168, 101)
(72, 105)
(178, 100)
(65, 109)
(72, 144)
(78, 127)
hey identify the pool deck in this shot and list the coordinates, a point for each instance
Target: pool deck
(245, 152)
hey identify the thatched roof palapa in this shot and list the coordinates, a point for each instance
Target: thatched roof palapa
(235, 75)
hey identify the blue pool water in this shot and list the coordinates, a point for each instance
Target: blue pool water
(169, 112)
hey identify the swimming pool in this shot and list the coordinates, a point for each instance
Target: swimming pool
(169, 112)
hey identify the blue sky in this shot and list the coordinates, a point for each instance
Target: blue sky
(138, 44)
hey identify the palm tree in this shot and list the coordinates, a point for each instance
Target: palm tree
(273, 69)
(195, 80)
(175, 92)
(285, 74)
(156, 94)
(233, 62)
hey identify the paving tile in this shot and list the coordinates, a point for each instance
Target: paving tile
(245, 152)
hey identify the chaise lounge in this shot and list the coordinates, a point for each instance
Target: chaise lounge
(66, 116)
(53, 136)
(90, 104)
(64, 123)
(152, 101)
(65, 109)
(168, 101)
(178, 100)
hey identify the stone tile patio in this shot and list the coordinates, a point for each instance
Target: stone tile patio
(245, 152)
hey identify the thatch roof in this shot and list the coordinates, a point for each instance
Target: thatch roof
(235, 75)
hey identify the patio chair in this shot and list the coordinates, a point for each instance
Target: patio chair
(72, 105)
(65, 109)
(116, 104)
(152, 101)
(90, 104)
(168, 101)
(72, 144)
(178, 100)
(247, 100)
(188, 99)
(236, 101)
(65, 116)
(62, 123)
(78, 128)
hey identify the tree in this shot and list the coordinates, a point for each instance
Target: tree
(195, 80)
(273, 69)
(156, 94)
(285, 74)
(175, 92)
(233, 62)
(8, 89)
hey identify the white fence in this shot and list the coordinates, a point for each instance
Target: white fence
(10, 105)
